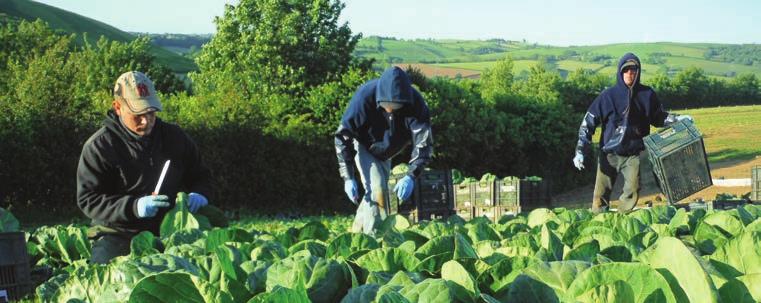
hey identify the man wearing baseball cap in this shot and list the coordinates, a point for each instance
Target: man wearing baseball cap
(121, 164)
(625, 112)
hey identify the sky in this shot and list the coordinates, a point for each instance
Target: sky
(561, 23)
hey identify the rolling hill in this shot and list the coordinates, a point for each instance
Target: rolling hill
(15, 10)
(474, 56)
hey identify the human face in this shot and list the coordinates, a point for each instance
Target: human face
(141, 124)
(630, 73)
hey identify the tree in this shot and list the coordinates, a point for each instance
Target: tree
(276, 47)
(498, 80)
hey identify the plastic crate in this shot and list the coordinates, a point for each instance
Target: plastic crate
(433, 190)
(489, 212)
(417, 215)
(466, 213)
(755, 177)
(484, 193)
(534, 194)
(728, 204)
(505, 210)
(464, 195)
(15, 278)
(508, 191)
(679, 160)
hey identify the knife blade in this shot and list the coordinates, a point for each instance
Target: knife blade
(161, 177)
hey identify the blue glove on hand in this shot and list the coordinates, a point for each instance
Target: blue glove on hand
(404, 188)
(683, 117)
(350, 187)
(196, 201)
(578, 161)
(148, 206)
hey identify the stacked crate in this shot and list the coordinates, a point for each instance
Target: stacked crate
(432, 196)
(755, 177)
(679, 160)
(464, 198)
(484, 197)
(15, 278)
(508, 196)
(534, 194)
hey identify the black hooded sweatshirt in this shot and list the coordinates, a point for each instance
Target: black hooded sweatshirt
(117, 167)
(383, 134)
(638, 106)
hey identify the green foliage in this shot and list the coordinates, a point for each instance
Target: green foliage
(276, 46)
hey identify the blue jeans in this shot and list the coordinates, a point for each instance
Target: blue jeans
(373, 208)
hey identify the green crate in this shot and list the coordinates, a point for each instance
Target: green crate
(464, 195)
(755, 174)
(465, 212)
(484, 193)
(508, 191)
(489, 212)
(679, 160)
(15, 277)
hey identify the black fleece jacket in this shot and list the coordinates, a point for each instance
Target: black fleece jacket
(117, 167)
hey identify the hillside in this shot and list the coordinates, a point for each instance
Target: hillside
(474, 56)
(14, 10)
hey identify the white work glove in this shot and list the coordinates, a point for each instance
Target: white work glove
(578, 161)
(682, 117)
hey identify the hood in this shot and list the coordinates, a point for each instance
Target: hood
(394, 86)
(620, 76)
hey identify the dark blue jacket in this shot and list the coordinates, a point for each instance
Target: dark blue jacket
(384, 134)
(610, 109)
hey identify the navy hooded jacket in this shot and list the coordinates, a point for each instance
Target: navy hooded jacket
(385, 134)
(610, 109)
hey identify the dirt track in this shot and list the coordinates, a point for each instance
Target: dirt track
(582, 197)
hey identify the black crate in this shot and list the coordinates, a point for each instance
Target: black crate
(728, 204)
(465, 212)
(534, 194)
(755, 177)
(508, 192)
(679, 160)
(464, 195)
(484, 193)
(417, 215)
(433, 190)
(15, 276)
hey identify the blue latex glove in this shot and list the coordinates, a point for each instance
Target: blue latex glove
(578, 161)
(350, 187)
(148, 206)
(196, 201)
(404, 188)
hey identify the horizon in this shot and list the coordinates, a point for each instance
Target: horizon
(477, 20)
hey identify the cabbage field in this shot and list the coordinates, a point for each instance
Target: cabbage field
(661, 254)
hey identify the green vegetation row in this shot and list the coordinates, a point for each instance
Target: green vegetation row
(660, 254)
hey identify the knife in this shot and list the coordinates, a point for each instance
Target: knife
(161, 177)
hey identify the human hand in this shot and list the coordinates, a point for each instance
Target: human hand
(350, 187)
(404, 188)
(196, 201)
(683, 117)
(578, 161)
(148, 206)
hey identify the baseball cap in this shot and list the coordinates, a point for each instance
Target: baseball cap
(629, 63)
(138, 92)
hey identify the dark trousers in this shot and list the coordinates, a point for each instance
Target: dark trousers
(107, 247)
(607, 171)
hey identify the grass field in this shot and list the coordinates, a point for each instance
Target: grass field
(73, 23)
(730, 133)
